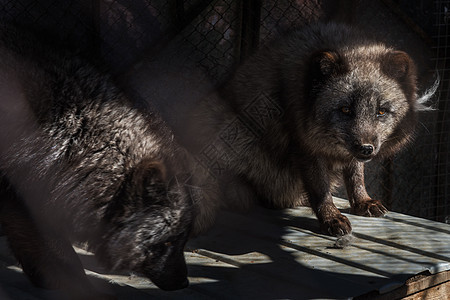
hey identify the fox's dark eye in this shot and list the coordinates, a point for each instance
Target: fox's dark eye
(381, 112)
(168, 244)
(346, 110)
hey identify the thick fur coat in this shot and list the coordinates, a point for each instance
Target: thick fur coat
(301, 114)
(80, 164)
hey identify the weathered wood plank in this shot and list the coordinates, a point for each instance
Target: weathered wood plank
(422, 286)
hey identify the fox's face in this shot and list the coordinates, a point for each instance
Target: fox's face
(363, 103)
(149, 226)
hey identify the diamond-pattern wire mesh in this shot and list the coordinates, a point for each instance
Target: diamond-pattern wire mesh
(128, 27)
(213, 38)
(442, 59)
(119, 32)
(279, 16)
(420, 175)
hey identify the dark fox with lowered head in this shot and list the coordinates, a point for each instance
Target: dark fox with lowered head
(303, 112)
(80, 164)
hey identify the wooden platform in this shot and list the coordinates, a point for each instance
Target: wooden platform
(280, 254)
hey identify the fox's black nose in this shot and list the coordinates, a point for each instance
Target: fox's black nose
(366, 149)
(173, 285)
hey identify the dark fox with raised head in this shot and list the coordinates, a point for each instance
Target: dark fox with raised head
(79, 163)
(303, 112)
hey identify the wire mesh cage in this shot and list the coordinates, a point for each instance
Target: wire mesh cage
(441, 178)
(216, 35)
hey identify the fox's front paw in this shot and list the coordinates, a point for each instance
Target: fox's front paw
(369, 208)
(332, 222)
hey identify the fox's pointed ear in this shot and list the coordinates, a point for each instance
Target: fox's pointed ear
(153, 171)
(397, 65)
(400, 67)
(324, 64)
(149, 178)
